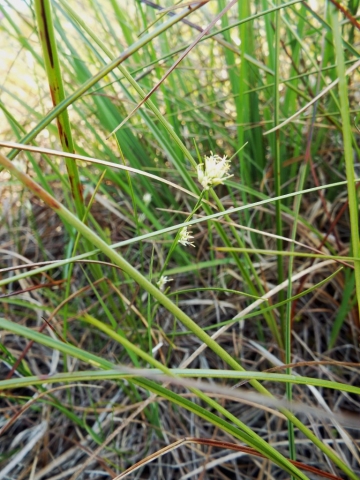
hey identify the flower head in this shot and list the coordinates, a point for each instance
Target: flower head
(147, 198)
(213, 171)
(184, 237)
(163, 280)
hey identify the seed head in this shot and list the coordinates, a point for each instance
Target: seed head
(185, 236)
(147, 198)
(163, 280)
(213, 171)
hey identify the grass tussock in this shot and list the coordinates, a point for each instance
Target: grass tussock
(180, 255)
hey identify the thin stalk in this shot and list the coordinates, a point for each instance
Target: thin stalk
(176, 239)
(288, 319)
(348, 151)
(277, 165)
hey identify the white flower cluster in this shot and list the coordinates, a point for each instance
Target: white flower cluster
(185, 236)
(163, 280)
(147, 198)
(213, 171)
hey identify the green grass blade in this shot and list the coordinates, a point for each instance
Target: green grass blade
(348, 152)
(52, 65)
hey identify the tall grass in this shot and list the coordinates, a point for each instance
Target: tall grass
(126, 276)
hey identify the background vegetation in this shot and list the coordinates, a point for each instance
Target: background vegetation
(245, 363)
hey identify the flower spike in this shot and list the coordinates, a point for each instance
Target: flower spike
(185, 236)
(213, 171)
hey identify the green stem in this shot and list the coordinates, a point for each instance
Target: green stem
(176, 239)
(348, 152)
(53, 71)
(277, 165)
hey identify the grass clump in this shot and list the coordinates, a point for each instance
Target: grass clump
(180, 270)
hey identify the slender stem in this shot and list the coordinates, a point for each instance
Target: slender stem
(348, 152)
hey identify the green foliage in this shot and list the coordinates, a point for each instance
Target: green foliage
(269, 241)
